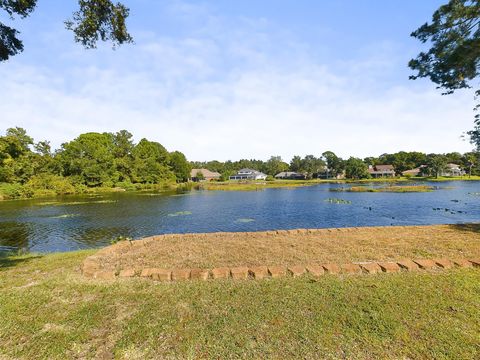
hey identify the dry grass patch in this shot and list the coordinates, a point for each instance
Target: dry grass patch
(286, 248)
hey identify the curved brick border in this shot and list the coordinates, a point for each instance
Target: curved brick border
(92, 269)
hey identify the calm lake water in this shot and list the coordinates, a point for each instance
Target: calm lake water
(70, 223)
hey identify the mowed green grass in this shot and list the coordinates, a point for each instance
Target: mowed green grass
(48, 310)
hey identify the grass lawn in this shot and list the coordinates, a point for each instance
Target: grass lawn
(48, 310)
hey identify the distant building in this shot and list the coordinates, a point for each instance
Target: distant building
(381, 171)
(248, 174)
(207, 175)
(291, 175)
(453, 170)
(412, 172)
(326, 173)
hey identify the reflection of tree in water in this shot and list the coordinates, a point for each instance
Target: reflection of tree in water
(14, 235)
(94, 237)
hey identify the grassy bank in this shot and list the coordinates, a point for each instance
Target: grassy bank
(19, 192)
(50, 311)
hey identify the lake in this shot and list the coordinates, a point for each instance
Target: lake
(79, 222)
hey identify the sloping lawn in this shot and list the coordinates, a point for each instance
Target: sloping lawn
(48, 310)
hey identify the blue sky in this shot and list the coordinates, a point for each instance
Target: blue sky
(238, 79)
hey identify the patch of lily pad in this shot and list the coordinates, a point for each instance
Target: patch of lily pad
(244, 220)
(338, 201)
(180, 213)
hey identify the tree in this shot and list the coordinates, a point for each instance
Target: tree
(335, 164)
(95, 20)
(356, 169)
(453, 60)
(296, 164)
(90, 159)
(150, 163)
(312, 165)
(275, 165)
(180, 166)
(436, 164)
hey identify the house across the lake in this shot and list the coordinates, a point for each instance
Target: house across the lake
(206, 175)
(248, 174)
(412, 172)
(381, 171)
(291, 175)
(453, 170)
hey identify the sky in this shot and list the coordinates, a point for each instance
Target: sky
(232, 79)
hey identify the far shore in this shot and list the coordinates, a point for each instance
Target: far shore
(249, 185)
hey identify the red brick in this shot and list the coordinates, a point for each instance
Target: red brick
(350, 268)
(296, 270)
(475, 262)
(331, 268)
(443, 263)
(259, 272)
(199, 274)
(277, 271)
(371, 268)
(127, 273)
(425, 264)
(221, 273)
(104, 275)
(240, 272)
(161, 274)
(389, 266)
(408, 265)
(315, 270)
(181, 274)
(462, 263)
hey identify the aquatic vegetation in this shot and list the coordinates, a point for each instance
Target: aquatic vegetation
(394, 188)
(180, 213)
(474, 193)
(337, 201)
(451, 211)
(64, 216)
(57, 203)
(244, 220)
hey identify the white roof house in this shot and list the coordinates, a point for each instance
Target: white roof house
(248, 174)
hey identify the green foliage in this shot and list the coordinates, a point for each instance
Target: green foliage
(436, 164)
(95, 20)
(275, 165)
(453, 59)
(356, 169)
(180, 166)
(270, 178)
(335, 164)
(99, 20)
(91, 160)
(14, 191)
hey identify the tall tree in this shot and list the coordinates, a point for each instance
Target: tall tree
(356, 169)
(180, 166)
(94, 20)
(335, 164)
(453, 59)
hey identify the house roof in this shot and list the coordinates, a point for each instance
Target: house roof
(288, 173)
(205, 172)
(376, 169)
(250, 171)
(453, 166)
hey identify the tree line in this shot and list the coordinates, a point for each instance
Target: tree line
(91, 160)
(330, 165)
(108, 160)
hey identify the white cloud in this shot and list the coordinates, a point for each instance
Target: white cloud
(234, 91)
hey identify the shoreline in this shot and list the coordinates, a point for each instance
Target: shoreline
(240, 186)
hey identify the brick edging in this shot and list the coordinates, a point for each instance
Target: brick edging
(92, 269)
